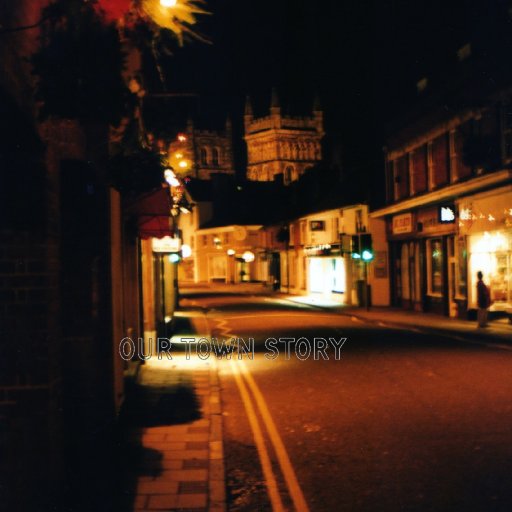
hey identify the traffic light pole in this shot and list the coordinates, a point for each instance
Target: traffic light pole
(366, 298)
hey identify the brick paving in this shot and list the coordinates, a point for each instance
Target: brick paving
(179, 465)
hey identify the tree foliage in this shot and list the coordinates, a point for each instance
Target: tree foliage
(79, 65)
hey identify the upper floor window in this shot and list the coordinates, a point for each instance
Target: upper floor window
(440, 161)
(204, 156)
(215, 156)
(401, 176)
(418, 159)
(507, 132)
(288, 174)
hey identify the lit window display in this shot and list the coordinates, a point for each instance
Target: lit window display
(435, 266)
(491, 253)
(327, 275)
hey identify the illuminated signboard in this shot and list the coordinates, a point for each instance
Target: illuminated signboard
(166, 244)
(402, 223)
(447, 214)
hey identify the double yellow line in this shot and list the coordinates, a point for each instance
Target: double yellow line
(247, 385)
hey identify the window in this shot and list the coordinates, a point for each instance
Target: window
(204, 156)
(401, 177)
(440, 161)
(288, 174)
(435, 266)
(292, 235)
(205, 240)
(215, 156)
(419, 170)
(507, 132)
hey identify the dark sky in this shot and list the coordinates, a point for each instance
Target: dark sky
(363, 58)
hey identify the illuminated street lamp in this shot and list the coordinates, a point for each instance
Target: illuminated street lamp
(168, 3)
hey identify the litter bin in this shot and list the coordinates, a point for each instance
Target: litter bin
(361, 297)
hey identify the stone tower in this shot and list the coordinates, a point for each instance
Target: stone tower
(281, 144)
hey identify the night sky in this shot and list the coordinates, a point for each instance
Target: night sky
(363, 59)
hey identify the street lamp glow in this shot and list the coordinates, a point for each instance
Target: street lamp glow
(168, 3)
(248, 256)
(230, 252)
(170, 177)
(183, 164)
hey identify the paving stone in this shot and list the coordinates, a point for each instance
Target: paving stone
(185, 454)
(203, 437)
(197, 445)
(217, 469)
(216, 450)
(193, 487)
(217, 490)
(192, 500)
(158, 486)
(196, 464)
(199, 430)
(189, 475)
(163, 502)
(156, 467)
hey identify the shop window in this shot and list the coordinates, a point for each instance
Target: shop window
(435, 266)
(462, 272)
(406, 283)
(491, 253)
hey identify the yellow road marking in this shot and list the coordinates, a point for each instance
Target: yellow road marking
(270, 480)
(282, 456)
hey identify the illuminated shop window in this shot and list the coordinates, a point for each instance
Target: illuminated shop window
(435, 266)
(491, 253)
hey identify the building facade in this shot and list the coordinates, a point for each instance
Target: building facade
(318, 260)
(200, 153)
(278, 144)
(448, 213)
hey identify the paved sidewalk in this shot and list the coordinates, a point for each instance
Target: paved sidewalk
(174, 435)
(499, 330)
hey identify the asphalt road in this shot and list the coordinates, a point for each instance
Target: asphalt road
(400, 421)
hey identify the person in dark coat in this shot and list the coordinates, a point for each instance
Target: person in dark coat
(483, 300)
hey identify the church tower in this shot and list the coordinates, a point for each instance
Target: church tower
(280, 144)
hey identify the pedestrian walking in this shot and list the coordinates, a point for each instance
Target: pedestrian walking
(483, 300)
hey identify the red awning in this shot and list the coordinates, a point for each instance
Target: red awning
(151, 213)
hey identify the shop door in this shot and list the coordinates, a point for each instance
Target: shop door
(452, 269)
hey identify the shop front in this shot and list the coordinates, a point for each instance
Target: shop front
(485, 223)
(327, 273)
(424, 255)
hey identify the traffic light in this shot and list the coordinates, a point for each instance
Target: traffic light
(365, 246)
(356, 249)
(175, 257)
(362, 247)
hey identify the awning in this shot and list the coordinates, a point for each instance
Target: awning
(151, 214)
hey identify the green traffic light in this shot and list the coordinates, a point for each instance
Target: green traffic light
(367, 255)
(356, 256)
(174, 257)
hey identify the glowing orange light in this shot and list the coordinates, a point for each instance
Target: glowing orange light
(182, 138)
